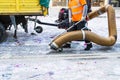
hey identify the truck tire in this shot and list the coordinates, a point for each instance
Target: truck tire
(3, 35)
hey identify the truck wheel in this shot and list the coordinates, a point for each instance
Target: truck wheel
(2, 33)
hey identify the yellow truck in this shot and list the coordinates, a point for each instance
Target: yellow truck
(13, 12)
(24, 7)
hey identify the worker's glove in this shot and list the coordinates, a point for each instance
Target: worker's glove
(87, 18)
(64, 24)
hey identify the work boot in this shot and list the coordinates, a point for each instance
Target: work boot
(67, 45)
(88, 46)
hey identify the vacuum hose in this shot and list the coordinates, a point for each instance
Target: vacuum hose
(88, 35)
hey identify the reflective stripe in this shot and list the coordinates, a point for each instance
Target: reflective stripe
(76, 5)
(78, 2)
(77, 12)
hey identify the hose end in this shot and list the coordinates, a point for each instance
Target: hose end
(53, 46)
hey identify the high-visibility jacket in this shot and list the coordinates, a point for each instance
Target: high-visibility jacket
(76, 7)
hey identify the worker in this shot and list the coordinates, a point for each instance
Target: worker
(78, 9)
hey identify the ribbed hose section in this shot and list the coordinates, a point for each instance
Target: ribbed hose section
(77, 35)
